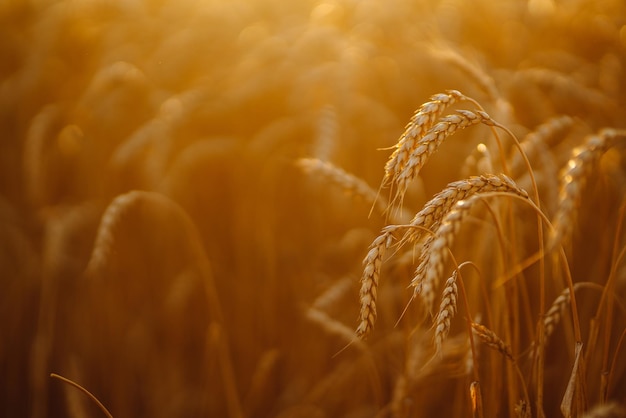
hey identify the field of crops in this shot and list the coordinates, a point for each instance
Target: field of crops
(315, 208)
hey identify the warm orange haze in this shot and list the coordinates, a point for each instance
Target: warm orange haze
(265, 208)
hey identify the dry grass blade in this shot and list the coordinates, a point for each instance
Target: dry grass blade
(85, 391)
(567, 404)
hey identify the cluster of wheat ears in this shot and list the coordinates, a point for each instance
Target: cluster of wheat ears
(498, 202)
(212, 209)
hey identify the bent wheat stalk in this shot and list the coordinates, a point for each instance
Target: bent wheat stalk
(85, 391)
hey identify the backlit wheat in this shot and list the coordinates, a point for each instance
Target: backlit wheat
(583, 161)
(447, 310)
(435, 250)
(490, 339)
(430, 142)
(423, 119)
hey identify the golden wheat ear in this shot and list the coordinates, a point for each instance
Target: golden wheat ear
(574, 177)
(435, 249)
(447, 310)
(422, 120)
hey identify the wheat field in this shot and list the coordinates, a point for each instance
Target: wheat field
(317, 208)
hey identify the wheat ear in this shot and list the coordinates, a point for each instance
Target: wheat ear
(369, 280)
(350, 183)
(423, 119)
(574, 177)
(434, 252)
(430, 142)
(555, 312)
(490, 339)
(105, 241)
(433, 211)
(538, 141)
(447, 310)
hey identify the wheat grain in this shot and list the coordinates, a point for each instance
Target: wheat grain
(574, 178)
(490, 339)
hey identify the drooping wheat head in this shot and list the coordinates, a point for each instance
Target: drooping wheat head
(581, 164)
(435, 251)
(447, 310)
(491, 340)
